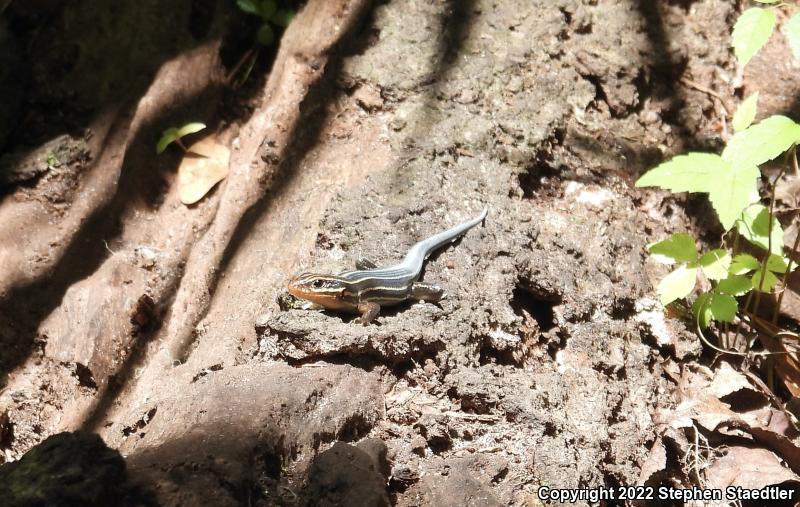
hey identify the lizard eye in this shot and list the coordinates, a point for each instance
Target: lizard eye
(317, 284)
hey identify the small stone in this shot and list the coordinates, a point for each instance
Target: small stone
(466, 97)
(262, 321)
(404, 474)
(435, 432)
(368, 97)
(514, 84)
(649, 117)
(418, 444)
(430, 369)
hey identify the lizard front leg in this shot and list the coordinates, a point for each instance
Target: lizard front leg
(368, 311)
(426, 292)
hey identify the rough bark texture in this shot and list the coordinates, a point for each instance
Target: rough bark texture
(158, 327)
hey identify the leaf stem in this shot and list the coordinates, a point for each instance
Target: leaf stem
(734, 250)
(744, 310)
(238, 65)
(796, 243)
(764, 263)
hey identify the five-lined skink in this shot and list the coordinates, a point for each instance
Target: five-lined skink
(368, 288)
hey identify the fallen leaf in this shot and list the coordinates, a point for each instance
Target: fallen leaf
(782, 446)
(781, 423)
(656, 461)
(787, 190)
(786, 366)
(204, 165)
(707, 411)
(748, 468)
(727, 381)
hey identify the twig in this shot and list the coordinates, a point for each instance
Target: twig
(109, 248)
(697, 86)
(472, 417)
(238, 65)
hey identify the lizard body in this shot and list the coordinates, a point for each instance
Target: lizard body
(368, 288)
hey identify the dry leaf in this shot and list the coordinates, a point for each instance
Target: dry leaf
(707, 411)
(656, 461)
(748, 468)
(781, 424)
(746, 415)
(787, 190)
(786, 365)
(727, 381)
(782, 446)
(204, 165)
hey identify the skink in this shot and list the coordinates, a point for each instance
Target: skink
(368, 288)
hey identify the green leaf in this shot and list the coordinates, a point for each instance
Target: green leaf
(713, 306)
(733, 192)
(248, 6)
(677, 284)
(754, 227)
(730, 188)
(693, 172)
(701, 311)
(265, 35)
(715, 263)
(744, 263)
(751, 31)
(169, 135)
(679, 247)
(723, 307)
(769, 280)
(735, 285)
(282, 17)
(745, 113)
(190, 128)
(267, 9)
(777, 264)
(761, 142)
(792, 32)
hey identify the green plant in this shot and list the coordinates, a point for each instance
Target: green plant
(270, 16)
(175, 134)
(756, 25)
(731, 181)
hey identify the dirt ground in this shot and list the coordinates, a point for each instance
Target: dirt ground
(158, 327)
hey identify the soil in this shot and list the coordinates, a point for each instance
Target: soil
(158, 327)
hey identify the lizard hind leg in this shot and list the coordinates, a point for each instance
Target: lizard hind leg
(426, 292)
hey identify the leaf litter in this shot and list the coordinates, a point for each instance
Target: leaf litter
(726, 430)
(204, 165)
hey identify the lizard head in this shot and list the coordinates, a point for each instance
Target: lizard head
(324, 290)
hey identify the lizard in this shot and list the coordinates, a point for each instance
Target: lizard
(368, 288)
